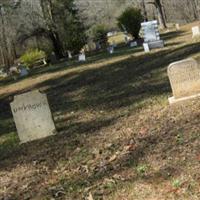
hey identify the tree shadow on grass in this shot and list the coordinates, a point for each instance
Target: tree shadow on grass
(53, 147)
(147, 145)
(98, 56)
(110, 88)
(120, 84)
(172, 35)
(130, 160)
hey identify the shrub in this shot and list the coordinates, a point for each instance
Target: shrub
(31, 57)
(176, 183)
(142, 169)
(131, 20)
(99, 33)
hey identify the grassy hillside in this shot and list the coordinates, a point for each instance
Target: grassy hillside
(118, 139)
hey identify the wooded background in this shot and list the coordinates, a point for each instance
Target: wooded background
(20, 20)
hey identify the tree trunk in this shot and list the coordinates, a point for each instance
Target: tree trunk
(197, 5)
(145, 11)
(58, 49)
(161, 17)
(4, 42)
(47, 9)
(195, 8)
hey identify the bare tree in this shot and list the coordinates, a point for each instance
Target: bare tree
(4, 44)
(161, 16)
(144, 10)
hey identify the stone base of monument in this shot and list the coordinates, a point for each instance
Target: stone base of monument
(173, 100)
(156, 44)
(153, 45)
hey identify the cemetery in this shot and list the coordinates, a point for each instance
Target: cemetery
(118, 121)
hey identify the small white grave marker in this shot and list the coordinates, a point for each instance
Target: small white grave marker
(151, 35)
(111, 49)
(195, 31)
(69, 54)
(82, 57)
(146, 47)
(32, 116)
(177, 27)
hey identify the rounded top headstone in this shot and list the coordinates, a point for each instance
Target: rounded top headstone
(184, 77)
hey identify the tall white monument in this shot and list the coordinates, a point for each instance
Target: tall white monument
(151, 35)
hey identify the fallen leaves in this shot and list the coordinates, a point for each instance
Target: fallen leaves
(113, 158)
(90, 197)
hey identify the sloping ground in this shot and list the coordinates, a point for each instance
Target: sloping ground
(117, 136)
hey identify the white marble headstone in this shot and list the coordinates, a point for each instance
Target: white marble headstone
(82, 57)
(184, 78)
(146, 47)
(69, 54)
(32, 116)
(177, 27)
(150, 31)
(195, 31)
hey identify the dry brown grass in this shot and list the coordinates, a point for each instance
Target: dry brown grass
(117, 136)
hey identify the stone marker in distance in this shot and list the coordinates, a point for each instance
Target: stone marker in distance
(195, 31)
(32, 116)
(184, 78)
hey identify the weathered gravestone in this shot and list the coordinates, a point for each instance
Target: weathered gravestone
(177, 26)
(184, 78)
(69, 54)
(151, 35)
(195, 31)
(32, 116)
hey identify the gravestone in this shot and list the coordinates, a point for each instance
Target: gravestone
(195, 31)
(81, 57)
(69, 54)
(133, 44)
(177, 27)
(111, 49)
(151, 34)
(184, 78)
(23, 72)
(146, 47)
(32, 116)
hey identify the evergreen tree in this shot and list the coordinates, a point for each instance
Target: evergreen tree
(63, 25)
